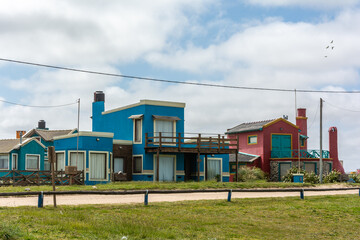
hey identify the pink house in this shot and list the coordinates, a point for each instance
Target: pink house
(277, 145)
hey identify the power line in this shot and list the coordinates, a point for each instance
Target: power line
(172, 81)
(34, 106)
(341, 108)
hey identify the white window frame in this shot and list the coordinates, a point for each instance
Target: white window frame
(221, 166)
(141, 131)
(55, 164)
(142, 164)
(69, 154)
(173, 135)
(26, 159)
(12, 161)
(107, 170)
(154, 164)
(7, 155)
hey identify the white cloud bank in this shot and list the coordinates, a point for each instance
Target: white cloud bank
(319, 4)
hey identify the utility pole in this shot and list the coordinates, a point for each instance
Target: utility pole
(321, 157)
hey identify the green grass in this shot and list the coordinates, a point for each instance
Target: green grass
(171, 185)
(330, 217)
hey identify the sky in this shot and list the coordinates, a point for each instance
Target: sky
(249, 43)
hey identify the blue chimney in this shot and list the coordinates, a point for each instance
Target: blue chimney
(98, 107)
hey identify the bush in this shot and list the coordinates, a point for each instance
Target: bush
(332, 177)
(289, 177)
(250, 174)
(355, 177)
(311, 178)
(308, 177)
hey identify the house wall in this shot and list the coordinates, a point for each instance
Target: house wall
(88, 144)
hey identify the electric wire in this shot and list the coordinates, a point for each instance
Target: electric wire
(312, 123)
(173, 81)
(38, 106)
(341, 108)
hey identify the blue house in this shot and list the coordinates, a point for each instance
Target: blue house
(150, 143)
(21, 154)
(90, 152)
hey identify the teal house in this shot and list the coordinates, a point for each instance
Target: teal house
(21, 154)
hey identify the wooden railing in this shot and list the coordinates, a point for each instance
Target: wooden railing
(24, 178)
(181, 140)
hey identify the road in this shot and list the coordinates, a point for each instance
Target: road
(131, 199)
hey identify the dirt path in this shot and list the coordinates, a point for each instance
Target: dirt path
(129, 199)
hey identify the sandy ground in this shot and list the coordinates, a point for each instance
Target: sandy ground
(129, 199)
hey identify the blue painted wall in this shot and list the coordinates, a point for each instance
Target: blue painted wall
(87, 144)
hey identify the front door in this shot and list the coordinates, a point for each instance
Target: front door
(280, 146)
(166, 168)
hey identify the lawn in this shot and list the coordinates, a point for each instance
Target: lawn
(167, 186)
(330, 217)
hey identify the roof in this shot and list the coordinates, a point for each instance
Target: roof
(86, 134)
(7, 145)
(249, 127)
(243, 157)
(148, 102)
(48, 135)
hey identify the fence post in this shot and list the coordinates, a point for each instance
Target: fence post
(146, 199)
(302, 194)
(229, 195)
(359, 192)
(41, 200)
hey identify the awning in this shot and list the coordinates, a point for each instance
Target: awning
(303, 137)
(166, 118)
(138, 116)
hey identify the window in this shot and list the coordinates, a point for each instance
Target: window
(302, 141)
(137, 164)
(118, 165)
(14, 161)
(252, 140)
(4, 162)
(98, 166)
(60, 161)
(166, 128)
(46, 165)
(137, 130)
(32, 162)
(77, 159)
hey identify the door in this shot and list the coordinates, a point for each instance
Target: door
(166, 168)
(283, 169)
(98, 166)
(213, 168)
(118, 165)
(281, 146)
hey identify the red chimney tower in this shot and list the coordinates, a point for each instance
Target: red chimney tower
(333, 148)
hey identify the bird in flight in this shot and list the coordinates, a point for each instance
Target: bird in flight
(331, 46)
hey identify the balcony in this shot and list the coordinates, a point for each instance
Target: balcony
(189, 143)
(303, 154)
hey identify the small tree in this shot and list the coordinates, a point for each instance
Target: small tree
(247, 174)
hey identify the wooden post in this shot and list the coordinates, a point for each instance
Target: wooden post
(157, 164)
(52, 159)
(206, 173)
(146, 140)
(218, 143)
(199, 142)
(179, 142)
(160, 140)
(198, 166)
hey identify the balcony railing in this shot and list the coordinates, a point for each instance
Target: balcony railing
(181, 140)
(303, 154)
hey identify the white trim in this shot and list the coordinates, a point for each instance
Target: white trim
(26, 159)
(141, 132)
(86, 134)
(122, 142)
(106, 167)
(56, 167)
(164, 155)
(7, 155)
(142, 164)
(12, 161)
(221, 166)
(147, 102)
(74, 151)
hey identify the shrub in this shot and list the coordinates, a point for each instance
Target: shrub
(289, 176)
(332, 177)
(355, 177)
(311, 178)
(308, 177)
(250, 174)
